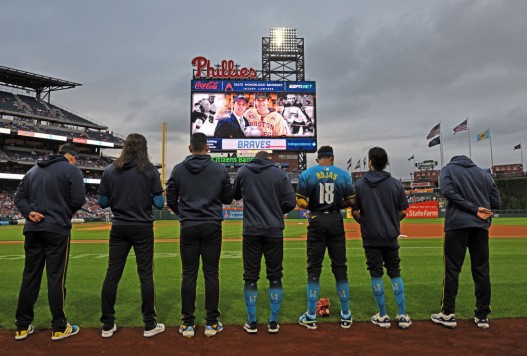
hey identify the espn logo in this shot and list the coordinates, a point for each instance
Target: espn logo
(300, 86)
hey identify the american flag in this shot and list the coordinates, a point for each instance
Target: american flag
(518, 146)
(461, 127)
(434, 132)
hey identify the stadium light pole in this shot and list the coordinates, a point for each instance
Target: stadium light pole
(283, 55)
(283, 60)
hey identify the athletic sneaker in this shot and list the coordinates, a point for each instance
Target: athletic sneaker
(446, 320)
(346, 320)
(187, 330)
(273, 327)
(403, 320)
(157, 330)
(211, 330)
(482, 323)
(308, 321)
(108, 333)
(250, 327)
(382, 321)
(21, 334)
(69, 331)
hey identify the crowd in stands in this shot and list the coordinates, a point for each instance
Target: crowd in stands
(8, 211)
(90, 209)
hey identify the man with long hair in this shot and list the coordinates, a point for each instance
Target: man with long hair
(130, 187)
(196, 190)
(48, 196)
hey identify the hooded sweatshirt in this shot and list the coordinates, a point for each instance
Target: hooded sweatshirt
(54, 188)
(267, 195)
(196, 190)
(130, 193)
(466, 188)
(380, 198)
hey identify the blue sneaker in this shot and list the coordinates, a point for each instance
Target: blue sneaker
(308, 321)
(187, 330)
(346, 320)
(211, 330)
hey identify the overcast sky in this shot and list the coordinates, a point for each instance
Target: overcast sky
(386, 71)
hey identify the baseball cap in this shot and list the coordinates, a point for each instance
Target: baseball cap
(262, 95)
(241, 97)
(69, 148)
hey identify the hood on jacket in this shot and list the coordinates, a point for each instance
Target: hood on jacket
(374, 178)
(195, 164)
(258, 165)
(129, 165)
(50, 160)
(463, 161)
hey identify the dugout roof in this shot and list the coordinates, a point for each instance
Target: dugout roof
(25, 80)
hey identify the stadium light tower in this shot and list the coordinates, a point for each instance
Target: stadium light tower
(283, 55)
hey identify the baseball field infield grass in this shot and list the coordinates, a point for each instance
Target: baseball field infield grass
(421, 271)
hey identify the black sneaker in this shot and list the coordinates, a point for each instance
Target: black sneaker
(250, 327)
(482, 323)
(273, 327)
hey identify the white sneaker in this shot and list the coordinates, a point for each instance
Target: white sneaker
(403, 320)
(157, 330)
(382, 321)
(109, 333)
(446, 320)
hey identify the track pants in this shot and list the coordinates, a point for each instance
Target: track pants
(455, 247)
(51, 250)
(200, 241)
(122, 239)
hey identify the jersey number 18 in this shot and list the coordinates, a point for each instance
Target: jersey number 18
(326, 193)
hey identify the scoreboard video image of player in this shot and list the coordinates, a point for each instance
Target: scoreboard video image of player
(255, 114)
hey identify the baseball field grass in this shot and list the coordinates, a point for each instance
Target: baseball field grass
(422, 269)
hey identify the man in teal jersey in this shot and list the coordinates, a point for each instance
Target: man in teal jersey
(324, 190)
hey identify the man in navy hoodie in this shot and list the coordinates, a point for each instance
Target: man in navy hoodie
(196, 190)
(267, 195)
(48, 196)
(471, 195)
(380, 204)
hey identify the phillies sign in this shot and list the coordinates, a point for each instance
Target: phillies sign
(227, 69)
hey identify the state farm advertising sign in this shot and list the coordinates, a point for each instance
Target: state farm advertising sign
(427, 209)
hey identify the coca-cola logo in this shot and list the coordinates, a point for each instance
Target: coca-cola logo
(206, 85)
(227, 69)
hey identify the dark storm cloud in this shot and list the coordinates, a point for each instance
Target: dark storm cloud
(386, 71)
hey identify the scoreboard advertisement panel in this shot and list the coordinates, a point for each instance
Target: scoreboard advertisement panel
(255, 115)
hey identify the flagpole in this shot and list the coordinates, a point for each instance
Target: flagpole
(469, 150)
(521, 154)
(491, 159)
(441, 143)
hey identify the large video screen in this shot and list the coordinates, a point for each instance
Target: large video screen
(255, 114)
